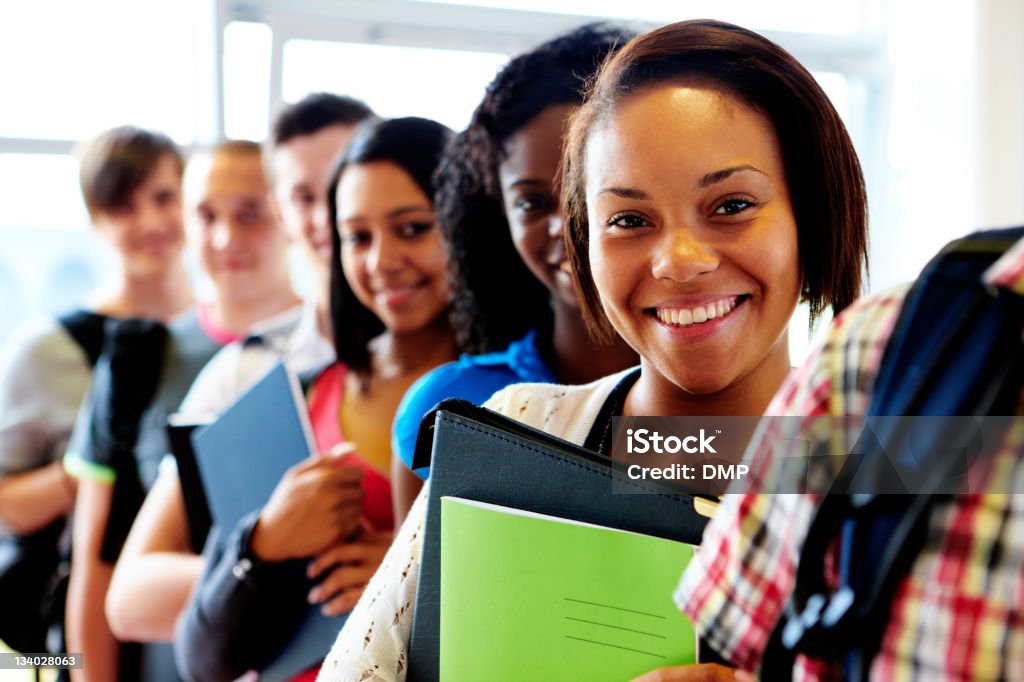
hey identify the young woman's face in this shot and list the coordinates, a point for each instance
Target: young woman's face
(693, 243)
(527, 175)
(393, 256)
(148, 231)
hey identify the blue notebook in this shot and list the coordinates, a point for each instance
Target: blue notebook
(244, 453)
(241, 457)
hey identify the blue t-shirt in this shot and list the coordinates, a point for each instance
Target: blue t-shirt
(472, 377)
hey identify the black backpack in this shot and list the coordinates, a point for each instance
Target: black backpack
(33, 568)
(956, 350)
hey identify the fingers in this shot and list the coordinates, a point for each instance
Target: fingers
(367, 549)
(331, 469)
(344, 553)
(343, 602)
(340, 450)
(340, 590)
(332, 464)
(341, 578)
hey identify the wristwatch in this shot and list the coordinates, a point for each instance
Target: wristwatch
(247, 561)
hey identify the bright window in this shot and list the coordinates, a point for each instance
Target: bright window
(810, 16)
(72, 69)
(445, 85)
(246, 80)
(40, 190)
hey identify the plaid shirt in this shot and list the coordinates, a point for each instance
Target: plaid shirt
(957, 615)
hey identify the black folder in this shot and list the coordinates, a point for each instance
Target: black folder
(197, 507)
(481, 455)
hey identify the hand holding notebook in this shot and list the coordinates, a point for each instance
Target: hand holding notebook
(242, 458)
(317, 504)
(480, 455)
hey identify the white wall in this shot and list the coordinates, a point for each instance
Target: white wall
(999, 151)
(956, 136)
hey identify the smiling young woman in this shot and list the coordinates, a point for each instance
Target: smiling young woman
(694, 255)
(709, 186)
(395, 258)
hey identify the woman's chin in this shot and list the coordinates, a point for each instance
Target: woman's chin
(701, 382)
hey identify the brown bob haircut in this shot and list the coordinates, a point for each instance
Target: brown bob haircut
(116, 163)
(824, 177)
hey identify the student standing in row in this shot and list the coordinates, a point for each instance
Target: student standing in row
(514, 303)
(131, 184)
(119, 439)
(709, 186)
(157, 571)
(389, 303)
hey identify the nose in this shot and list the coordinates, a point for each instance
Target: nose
(318, 222)
(682, 255)
(222, 234)
(385, 255)
(556, 224)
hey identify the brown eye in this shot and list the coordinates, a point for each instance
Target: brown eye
(356, 238)
(164, 199)
(734, 206)
(533, 202)
(627, 221)
(414, 229)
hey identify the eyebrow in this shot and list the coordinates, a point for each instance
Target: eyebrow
(706, 181)
(526, 181)
(720, 175)
(625, 192)
(409, 209)
(400, 211)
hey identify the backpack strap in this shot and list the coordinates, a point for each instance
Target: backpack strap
(86, 328)
(955, 351)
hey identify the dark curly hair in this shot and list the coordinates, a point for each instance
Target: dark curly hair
(495, 298)
(823, 173)
(415, 145)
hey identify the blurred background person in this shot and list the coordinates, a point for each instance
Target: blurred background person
(131, 183)
(389, 302)
(514, 306)
(120, 439)
(155, 572)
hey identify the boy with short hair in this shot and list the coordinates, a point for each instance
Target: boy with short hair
(144, 373)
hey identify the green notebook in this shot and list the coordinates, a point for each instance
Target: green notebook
(526, 596)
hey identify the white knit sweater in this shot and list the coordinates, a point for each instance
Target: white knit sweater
(374, 642)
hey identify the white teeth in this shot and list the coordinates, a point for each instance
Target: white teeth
(697, 315)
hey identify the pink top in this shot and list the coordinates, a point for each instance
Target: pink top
(325, 415)
(210, 328)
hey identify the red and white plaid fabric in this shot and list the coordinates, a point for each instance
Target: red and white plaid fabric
(958, 615)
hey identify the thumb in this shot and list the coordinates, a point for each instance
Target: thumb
(340, 450)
